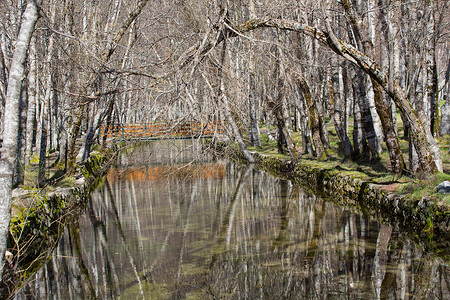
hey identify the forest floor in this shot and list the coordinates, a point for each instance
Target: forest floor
(55, 175)
(377, 172)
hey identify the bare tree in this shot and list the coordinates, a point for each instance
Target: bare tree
(9, 146)
(428, 152)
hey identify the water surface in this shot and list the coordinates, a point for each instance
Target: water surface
(171, 223)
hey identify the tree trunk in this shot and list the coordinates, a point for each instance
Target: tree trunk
(46, 106)
(9, 146)
(64, 116)
(221, 95)
(3, 81)
(445, 110)
(19, 168)
(432, 87)
(339, 111)
(234, 127)
(32, 98)
(377, 125)
(97, 122)
(307, 147)
(429, 154)
(313, 118)
(384, 106)
(347, 92)
(321, 108)
(359, 140)
(43, 145)
(287, 130)
(276, 105)
(54, 124)
(393, 41)
(366, 116)
(282, 121)
(281, 139)
(254, 128)
(369, 39)
(73, 135)
(390, 135)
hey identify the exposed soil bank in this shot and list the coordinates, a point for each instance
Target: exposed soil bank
(38, 220)
(425, 219)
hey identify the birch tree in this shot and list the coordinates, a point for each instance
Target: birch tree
(430, 159)
(9, 146)
(252, 101)
(366, 45)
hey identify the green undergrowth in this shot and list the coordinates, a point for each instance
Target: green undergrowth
(417, 189)
(55, 174)
(375, 171)
(39, 216)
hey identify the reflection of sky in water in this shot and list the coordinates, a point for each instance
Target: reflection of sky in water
(215, 231)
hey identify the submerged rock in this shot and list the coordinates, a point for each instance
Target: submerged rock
(444, 187)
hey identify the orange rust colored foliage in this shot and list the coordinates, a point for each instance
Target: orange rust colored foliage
(157, 173)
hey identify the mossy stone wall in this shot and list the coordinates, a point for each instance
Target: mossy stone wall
(38, 222)
(426, 218)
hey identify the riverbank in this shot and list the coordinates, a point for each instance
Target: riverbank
(172, 222)
(425, 219)
(39, 217)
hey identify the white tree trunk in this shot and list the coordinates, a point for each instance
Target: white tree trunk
(9, 147)
(370, 92)
(32, 93)
(375, 117)
(429, 157)
(47, 106)
(394, 61)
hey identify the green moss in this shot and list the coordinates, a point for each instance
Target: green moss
(351, 184)
(323, 157)
(38, 219)
(67, 182)
(371, 171)
(426, 188)
(34, 159)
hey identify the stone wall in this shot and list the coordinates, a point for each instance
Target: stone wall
(424, 219)
(38, 220)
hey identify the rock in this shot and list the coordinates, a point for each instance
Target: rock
(19, 192)
(80, 181)
(63, 192)
(444, 187)
(9, 257)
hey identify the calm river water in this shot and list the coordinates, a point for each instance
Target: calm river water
(171, 223)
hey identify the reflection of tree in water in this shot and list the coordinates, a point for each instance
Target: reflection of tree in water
(247, 235)
(155, 173)
(165, 153)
